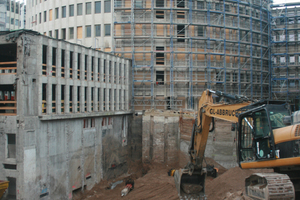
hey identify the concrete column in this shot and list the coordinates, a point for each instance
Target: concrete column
(67, 98)
(39, 61)
(89, 99)
(89, 63)
(117, 99)
(158, 138)
(82, 98)
(49, 74)
(67, 60)
(101, 99)
(146, 157)
(96, 102)
(58, 59)
(58, 98)
(75, 92)
(82, 66)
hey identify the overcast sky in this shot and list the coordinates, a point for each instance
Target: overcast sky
(285, 1)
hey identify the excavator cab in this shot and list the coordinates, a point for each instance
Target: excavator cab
(255, 132)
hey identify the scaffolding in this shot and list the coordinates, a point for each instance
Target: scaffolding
(181, 47)
(285, 56)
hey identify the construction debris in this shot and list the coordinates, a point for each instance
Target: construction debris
(129, 186)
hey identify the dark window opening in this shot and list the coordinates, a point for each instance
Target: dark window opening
(180, 33)
(44, 65)
(85, 67)
(180, 3)
(71, 99)
(78, 99)
(92, 69)
(71, 64)
(160, 56)
(12, 189)
(78, 65)
(85, 98)
(44, 94)
(62, 63)
(160, 14)
(160, 3)
(160, 77)
(11, 145)
(53, 61)
(62, 97)
(53, 98)
(180, 15)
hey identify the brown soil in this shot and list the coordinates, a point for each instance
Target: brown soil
(153, 182)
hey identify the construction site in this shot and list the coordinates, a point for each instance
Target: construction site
(79, 123)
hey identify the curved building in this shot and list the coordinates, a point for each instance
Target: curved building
(78, 21)
(181, 47)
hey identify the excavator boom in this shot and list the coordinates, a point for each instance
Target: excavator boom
(190, 181)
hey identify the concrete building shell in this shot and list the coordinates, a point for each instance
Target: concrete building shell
(64, 115)
(83, 22)
(181, 48)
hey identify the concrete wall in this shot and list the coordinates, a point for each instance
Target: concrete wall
(160, 138)
(166, 135)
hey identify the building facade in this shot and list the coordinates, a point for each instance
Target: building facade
(64, 115)
(88, 23)
(180, 48)
(285, 55)
(12, 14)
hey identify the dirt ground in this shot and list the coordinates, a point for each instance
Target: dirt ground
(153, 182)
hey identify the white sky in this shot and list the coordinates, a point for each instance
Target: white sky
(286, 1)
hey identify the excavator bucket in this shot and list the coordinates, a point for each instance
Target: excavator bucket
(190, 186)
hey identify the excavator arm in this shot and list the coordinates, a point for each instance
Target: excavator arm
(190, 181)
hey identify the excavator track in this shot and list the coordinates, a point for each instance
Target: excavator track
(271, 186)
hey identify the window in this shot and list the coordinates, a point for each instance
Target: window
(160, 3)
(180, 4)
(71, 33)
(63, 33)
(160, 56)
(7, 5)
(56, 34)
(12, 20)
(50, 33)
(282, 60)
(98, 7)
(138, 4)
(107, 6)
(107, 29)
(88, 31)
(79, 9)
(88, 8)
(12, 7)
(45, 16)
(16, 22)
(11, 145)
(79, 32)
(56, 13)
(50, 15)
(160, 77)
(292, 60)
(40, 17)
(71, 10)
(63, 12)
(200, 4)
(227, 8)
(97, 30)
(17, 8)
(200, 31)
(160, 14)
(180, 32)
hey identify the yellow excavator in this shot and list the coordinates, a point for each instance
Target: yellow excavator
(267, 137)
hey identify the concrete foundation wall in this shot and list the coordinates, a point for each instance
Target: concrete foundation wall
(160, 138)
(57, 157)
